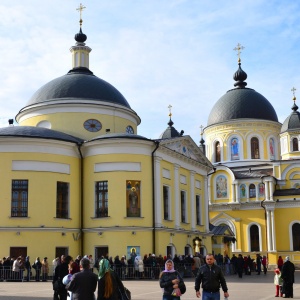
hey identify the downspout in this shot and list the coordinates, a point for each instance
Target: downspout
(81, 198)
(153, 198)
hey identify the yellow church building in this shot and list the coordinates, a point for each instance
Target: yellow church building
(254, 190)
(76, 178)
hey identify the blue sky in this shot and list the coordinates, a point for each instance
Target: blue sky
(155, 52)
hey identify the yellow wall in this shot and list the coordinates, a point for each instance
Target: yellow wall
(72, 123)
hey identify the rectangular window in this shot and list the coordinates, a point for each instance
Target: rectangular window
(19, 198)
(198, 210)
(166, 196)
(62, 200)
(101, 204)
(133, 198)
(183, 206)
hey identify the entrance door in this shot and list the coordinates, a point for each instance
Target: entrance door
(18, 251)
(59, 251)
(101, 251)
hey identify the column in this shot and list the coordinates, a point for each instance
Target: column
(177, 195)
(237, 193)
(268, 231)
(233, 193)
(273, 231)
(271, 190)
(192, 201)
(209, 191)
(267, 190)
(158, 198)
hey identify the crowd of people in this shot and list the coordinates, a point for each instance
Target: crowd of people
(169, 270)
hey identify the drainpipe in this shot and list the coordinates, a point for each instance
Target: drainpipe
(81, 198)
(153, 198)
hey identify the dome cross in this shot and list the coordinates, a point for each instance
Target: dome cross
(293, 90)
(238, 48)
(170, 110)
(80, 9)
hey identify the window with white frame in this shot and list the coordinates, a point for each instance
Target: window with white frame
(198, 210)
(183, 207)
(166, 202)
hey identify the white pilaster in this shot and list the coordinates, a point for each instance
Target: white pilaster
(238, 199)
(177, 195)
(158, 198)
(206, 216)
(268, 231)
(273, 231)
(192, 200)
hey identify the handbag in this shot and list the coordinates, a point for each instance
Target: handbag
(58, 285)
(182, 287)
(125, 294)
(181, 284)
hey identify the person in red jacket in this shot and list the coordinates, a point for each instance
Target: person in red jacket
(280, 263)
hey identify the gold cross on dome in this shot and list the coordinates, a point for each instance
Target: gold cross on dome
(80, 9)
(293, 90)
(238, 48)
(170, 110)
(201, 128)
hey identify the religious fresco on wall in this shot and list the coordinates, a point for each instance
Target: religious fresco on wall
(272, 148)
(261, 190)
(235, 154)
(221, 186)
(243, 191)
(133, 198)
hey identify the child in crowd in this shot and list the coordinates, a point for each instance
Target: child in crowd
(278, 282)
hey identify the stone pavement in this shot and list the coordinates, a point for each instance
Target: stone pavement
(247, 288)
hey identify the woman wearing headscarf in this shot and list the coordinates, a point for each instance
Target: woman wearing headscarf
(109, 285)
(169, 280)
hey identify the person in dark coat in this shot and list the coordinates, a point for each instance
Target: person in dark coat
(84, 283)
(287, 274)
(60, 272)
(109, 285)
(240, 265)
(169, 280)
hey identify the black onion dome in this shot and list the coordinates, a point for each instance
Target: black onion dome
(37, 132)
(240, 76)
(241, 103)
(292, 122)
(170, 132)
(80, 37)
(79, 84)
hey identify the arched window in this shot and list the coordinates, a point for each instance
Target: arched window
(218, 151)
(254, 148)
(235, 153)
(296, 237)
(254, 238)
(295, 144)
(252, 191)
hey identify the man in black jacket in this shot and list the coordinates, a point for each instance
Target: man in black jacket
(211, 277)
(84, 283)
(59, 273)
(287, 274)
